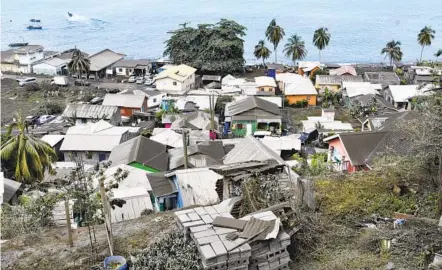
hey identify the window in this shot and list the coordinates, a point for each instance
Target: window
(120, 70)
(154, 100)
(262, 126)
(239, 126)
(308, 98)
(261, 89)
(174, 83)
(83, 120)
(101, 156)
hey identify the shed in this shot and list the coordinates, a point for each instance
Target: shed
(50, 67)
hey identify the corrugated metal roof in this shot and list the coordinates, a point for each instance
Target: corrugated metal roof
(28, 48)
(213, 150)
(137, 201)
(52, 139)
(249, 103)
(282, 143)
(131, 63)
(9, 188)
(56, 62)
(299, 86)
(197, 186)
(168, 137)
(402, 93)
(211, 78)
(249, 149)
(202, 102)
(90, 111)
(179, 73)
(326, 124)
(275, 100)
(197, 120)
(141, 150)
(344, 70)
(265, 81)
(90, 142)
(104, 59)
(99, 128)
(128, 101)
(161, 185)
(353, 89)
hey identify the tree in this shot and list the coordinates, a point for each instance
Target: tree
(30, 156)
(212, 48)
(274, 34)
(261, 51)
(79, 63)
(424, 38)
(295, 48)
(438, 53)
(321, 38)
(393, 51)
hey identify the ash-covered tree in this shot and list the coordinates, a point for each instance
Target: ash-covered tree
(212, 48)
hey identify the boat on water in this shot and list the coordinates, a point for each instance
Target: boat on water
(70, 14)
(18, 44)
(34, 24)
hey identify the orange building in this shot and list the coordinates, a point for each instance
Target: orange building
(298, 88)
(127, 103)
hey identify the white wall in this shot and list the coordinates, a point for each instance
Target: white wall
(154, 101)
(123, 71)
(167, 84)
(23, 59)
(46, 69)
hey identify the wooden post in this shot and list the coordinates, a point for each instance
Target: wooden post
(68, 222)
(107, 220)
(185, 147)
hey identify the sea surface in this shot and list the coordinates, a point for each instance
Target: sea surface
(138, 28)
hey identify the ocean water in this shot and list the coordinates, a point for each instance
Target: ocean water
(138, 28)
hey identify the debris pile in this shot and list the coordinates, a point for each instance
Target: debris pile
(223, 242)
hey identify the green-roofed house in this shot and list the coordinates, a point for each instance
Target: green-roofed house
(141, 153)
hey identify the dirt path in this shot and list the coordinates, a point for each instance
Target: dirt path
(49, 250)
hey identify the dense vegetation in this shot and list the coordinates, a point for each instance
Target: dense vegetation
(212, 48)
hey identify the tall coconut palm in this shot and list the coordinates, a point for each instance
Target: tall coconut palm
(274, 34)
(425, 36)
(261, 51)
(30, 156)
(393, 51)
(321, 38)
(295, 48)
(79, 63)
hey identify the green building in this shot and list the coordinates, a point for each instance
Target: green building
(252, 114)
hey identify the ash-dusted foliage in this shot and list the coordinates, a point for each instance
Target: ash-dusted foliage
(211, 48)
(171, 252)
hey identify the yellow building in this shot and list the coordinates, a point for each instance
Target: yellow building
(334, 82)
(265, 84)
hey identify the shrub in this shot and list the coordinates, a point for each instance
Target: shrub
(52, 108)
(174, 251)
(32, 87)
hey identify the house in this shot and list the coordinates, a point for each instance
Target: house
(344, 70)
(283, 143)
(195, 120)
(383, 121)
(195, 186)
(246, 116)
(199, 155)
(383, 78)
(274, 99)
(231, 85)
(356, 151)
(207, 79)
(135, 190)
(167, 137)
(423, 74)
(251, 149)
(334, 82)
(53, 66)
(101, 62)
(297, 88)
(154, 97)
(88, 113)
(308, 68)
(128, 104)
(176, 78)
(55, 142)
(164, 193)
(128, 68)
(141, 152)
(355, 89)
(191, 103)
(20, 60)
(325, 123)
(400, 95)
(265, 85)
(94, 142)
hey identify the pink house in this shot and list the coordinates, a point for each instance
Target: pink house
(353, 151)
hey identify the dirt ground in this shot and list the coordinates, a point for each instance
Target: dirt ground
(49, 249)
(15, 98)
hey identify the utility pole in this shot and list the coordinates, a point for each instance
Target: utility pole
(185, 147)
(68, 222)
(107, 220)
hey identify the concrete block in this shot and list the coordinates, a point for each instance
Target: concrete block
(220, 230)
(215, 215)
(194, 216)
(274, 263)
(200, 228)
(200, 211)
(208, 232)
(182, 212)
(183, 218)
(218, 247)
(264, 266)
(193, 224)
(215, 265)
(207, 219)
(210, 210)
(207, 240)
(207, 252)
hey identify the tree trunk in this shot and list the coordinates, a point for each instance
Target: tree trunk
(276, 55)
(319, 55)
(422, 51)
(68, 222)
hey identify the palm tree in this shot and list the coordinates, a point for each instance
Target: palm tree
(321, 38)
(30, 156)
(393, 51)
(425, 36)
(438, 53)
(261, 51)
(79, 63)
(295, 48)
(274, 34)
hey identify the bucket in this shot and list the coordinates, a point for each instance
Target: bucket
(115, 263)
